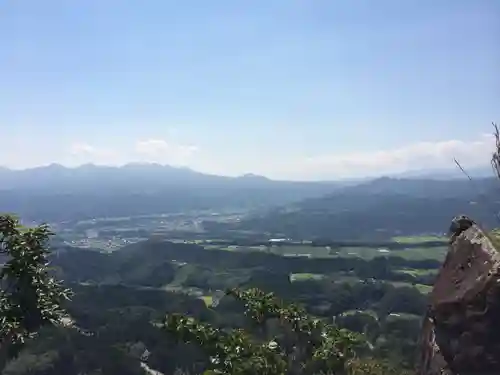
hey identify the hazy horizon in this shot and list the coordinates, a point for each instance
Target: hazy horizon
(285, 89)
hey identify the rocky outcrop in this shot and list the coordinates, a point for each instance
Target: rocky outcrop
(461, 331)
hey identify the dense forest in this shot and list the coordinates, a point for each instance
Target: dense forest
(120, 300)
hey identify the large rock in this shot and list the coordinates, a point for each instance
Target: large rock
(461, 331)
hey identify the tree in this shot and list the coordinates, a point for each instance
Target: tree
(285, 341)
(29, 297)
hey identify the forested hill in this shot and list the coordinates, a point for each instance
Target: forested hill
(379, 209)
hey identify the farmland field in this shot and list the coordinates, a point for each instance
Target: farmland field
(419, 272)
(365, 252)
(208, 300)
(305, 276)
(421, 287)
(418, 239)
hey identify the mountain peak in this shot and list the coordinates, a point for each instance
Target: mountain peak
(252, 176)
(53, 166)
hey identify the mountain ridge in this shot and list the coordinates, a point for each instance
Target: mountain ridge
(433, 174)
(58, 193)
(380, 208)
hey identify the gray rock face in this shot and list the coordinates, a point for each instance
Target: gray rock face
(461, 331)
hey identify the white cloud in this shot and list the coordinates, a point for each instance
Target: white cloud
(86, 153)
(161, 151)
(440, 154)
(81, 149)
(150, 150)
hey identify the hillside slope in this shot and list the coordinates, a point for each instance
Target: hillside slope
(379, 209)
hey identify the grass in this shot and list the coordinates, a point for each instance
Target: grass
(418, 272)
(313, 251)
(403, 316)
(418, 239)
(208, 300)
(217, 247)
(354, 312)
(362, 252)
(341, 277)
(368, 253)
(423, 253)
(305, 276)
(424, 289)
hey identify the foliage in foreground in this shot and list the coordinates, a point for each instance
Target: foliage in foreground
(286, 341)
(29, 297)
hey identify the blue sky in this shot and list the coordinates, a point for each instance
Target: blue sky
(286, 88)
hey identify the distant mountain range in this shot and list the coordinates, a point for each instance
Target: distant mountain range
(446, 174)
(57, 193)
(132, 175)
(85, 176)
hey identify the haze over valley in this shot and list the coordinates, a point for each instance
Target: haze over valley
(248, 187)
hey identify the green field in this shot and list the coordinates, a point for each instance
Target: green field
(218, 247)
(302, 250)
(345, 278)
(420, 272)
(368, 253)
(305, 276)
(418, 239)
(425, 289)
(363, 252)
(208, 300)
(354, 312)
(394, 316)
(422, 253)
(403, 316)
